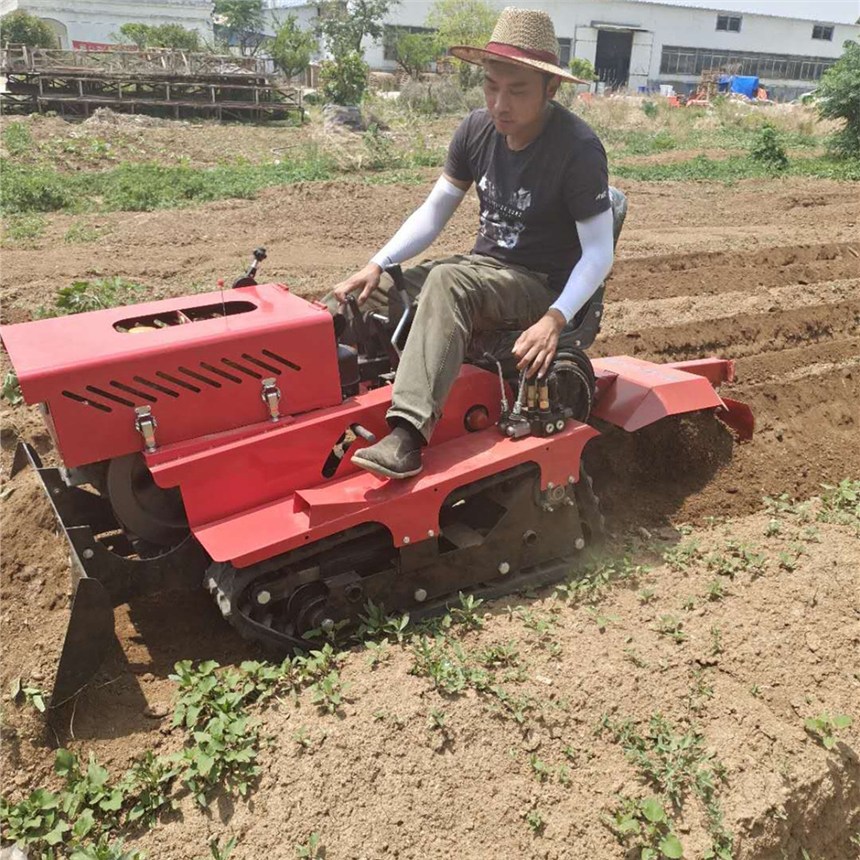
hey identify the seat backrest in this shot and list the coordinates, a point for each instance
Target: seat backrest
(618, 201)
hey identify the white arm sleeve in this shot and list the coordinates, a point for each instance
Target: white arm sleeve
(595, 237)
(423, 225)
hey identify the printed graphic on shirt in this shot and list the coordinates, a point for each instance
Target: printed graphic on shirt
(501, 219)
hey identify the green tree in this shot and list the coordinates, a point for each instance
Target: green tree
(20, 28)
(344, 79)
(839, 98)
(292, 47)
(242, 21)
(343, 24)
(161, 36)
(414, 52)
(581, 68)
(462, 22)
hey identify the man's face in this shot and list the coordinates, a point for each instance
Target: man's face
(516, 96)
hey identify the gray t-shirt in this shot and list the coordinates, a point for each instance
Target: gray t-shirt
(530, 199)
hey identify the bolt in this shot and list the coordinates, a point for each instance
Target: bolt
(550, 485)
(406, 539)
(430, 533)
(264, 597)
(327, 625)
(549, 427)
(88, 553)
(578, 343)
(579, 543)
(420, 595)
(559, 425)
(57, 491)
(570, 479)
(504, 568)
(509, 431)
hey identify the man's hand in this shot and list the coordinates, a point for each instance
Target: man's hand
(535, 347)
(367, 280)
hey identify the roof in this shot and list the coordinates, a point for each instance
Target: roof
(830, 11)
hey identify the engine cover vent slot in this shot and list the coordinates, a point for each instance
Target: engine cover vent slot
(108, 396)
(241, 368)
(199, 377)
(285, 361)
(218, 372)
(180, 382)
(86, 401)
(155, 386)
(151, 398)
(260, 363)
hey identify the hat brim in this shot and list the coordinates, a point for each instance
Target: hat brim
(477, 56)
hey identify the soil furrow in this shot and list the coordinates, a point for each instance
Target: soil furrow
(669, 275)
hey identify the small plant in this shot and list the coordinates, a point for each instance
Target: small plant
(768, 149)
(535, 820)
(841, 503)
(80, 232)
(716, 641)
(467, 612)
(378, 653)
(716, 590)
(437, 721)
(646, 596)
(737, 558)
(650, 109)
(327, 692)
(312, 849)
(824, 727)
(219, 853)
(602, 621)
(149, 782)
(643, 822)
(33, 696)
(35, 820)
(497, 656)
(18, 140)
(773, 528)
(377, 624)
(539, 768)
(671, 626)
(683, 555)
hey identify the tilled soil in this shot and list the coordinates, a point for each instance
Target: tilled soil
(765, 273)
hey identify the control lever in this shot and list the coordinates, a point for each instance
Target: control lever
(249, 278)
(408, 307)
(359, 326)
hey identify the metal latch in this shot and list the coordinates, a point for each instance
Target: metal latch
(145, 424)
(272, 397)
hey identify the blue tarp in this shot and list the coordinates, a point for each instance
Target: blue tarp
(747, 86)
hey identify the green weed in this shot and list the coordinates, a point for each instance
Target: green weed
(683, 555)
(18, 140)
(94, 295)
(80, 232)
(18, 690)
(671, 626)
(824, 727)
(377, 624)
(642, 823)
(736, 558)
(24, 228)
(467, 611)
(540, 770)
(535, 820)
(312, 849)
(841, 502)
(327, 693)
(219, 853)
(768, 149)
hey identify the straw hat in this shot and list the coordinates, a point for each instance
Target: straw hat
(524, 37)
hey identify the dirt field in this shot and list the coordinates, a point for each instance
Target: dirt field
(766, 273)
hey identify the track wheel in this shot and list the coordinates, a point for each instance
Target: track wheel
(142, 508)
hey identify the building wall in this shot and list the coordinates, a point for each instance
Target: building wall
(654, 26)
(98, 21)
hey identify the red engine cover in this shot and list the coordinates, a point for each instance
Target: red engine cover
(199, 376)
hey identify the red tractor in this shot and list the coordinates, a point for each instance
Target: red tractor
(207, 440)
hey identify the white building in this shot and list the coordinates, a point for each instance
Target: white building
(96, 23)
(645, 44)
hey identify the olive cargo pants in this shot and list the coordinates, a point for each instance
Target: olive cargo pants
(458, 297)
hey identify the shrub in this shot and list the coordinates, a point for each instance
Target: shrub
(433, 98)
(650, 109)
(768, 149)
(581, 68)
(839, 93)
(32, 190)
(344, 80)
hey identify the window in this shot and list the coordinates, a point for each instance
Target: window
(821, 31)
(392, 33)
(564, 52)
(729, 23)
(693, 61)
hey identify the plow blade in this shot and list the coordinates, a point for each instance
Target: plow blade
(106, 572)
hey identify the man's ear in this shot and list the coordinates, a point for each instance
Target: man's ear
(552, 86)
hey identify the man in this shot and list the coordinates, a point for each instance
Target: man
(544, 243)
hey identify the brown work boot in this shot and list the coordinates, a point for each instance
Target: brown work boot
(398, 455)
